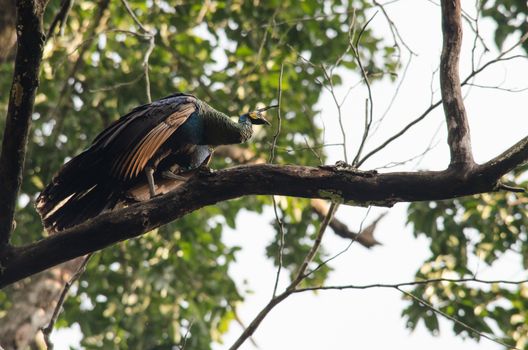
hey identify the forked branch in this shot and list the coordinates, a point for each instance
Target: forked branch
(458, 137)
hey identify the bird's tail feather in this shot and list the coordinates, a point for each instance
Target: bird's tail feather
(76, 193)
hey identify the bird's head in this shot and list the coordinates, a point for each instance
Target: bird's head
(256, 117)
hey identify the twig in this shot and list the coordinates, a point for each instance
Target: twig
(60, 18)
(369, 112)
(397, 90)
(398, 286)
(399, 133)
(46, 331)
(118, 85)
(280, 224)
(432, 144)
(300, 275)
(279, 118)
(150, 37)
(457, 321)
(410, 283)
(186, 336)
(509, 188)
(243, 326)
(433, 106)
(394, 29)
(360, 231)
(102, 6)
(498, 88)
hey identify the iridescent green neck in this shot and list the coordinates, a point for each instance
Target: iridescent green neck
(222, 130)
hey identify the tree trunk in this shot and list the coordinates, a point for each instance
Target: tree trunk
(33, 301)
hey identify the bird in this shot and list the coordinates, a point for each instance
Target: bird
(161, 139)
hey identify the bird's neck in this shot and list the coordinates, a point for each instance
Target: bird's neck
(221, 130)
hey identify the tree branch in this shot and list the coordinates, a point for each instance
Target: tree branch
(365, 237)
(21, 100)
(202, 189)
(457, 124)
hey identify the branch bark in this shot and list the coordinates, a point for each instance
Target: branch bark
(245, 156)
(455, 113)
(202, 189)
(21, 100)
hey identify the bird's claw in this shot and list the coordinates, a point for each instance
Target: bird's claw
(204, 170)
(167, 174)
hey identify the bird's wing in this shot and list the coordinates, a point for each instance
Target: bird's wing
(133, 160)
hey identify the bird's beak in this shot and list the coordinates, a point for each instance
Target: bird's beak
(257, 117)
(260, 120)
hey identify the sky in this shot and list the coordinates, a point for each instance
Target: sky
(371, 319)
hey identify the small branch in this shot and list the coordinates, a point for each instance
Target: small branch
(394, 29)
(58, 112)
(409, 284)
(280, 224)
(399, 133)
(505, 187)
(46, 331)
(300, 275)
(60, 18)
(30, 45)
(455, 114)
(398, 286)
(365, 237)
(457, 321)
(150, 37)
(369, 106)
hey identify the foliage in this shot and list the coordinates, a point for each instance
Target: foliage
(510, 16)
(482, 228)
(147, 293)
(479, 229)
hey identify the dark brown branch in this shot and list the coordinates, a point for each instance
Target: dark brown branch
(202, 189)
(365, 237)
(245, 156)
(457, 124)
(507, 161)
(21, 100)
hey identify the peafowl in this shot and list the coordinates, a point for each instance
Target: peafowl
(156, 140)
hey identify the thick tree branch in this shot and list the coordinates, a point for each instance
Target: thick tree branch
(457, 124)
(507, 161)
(245, 156)
(21, 100)
(202, 189)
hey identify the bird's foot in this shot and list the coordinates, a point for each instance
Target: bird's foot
(204, 170)
(167, 174)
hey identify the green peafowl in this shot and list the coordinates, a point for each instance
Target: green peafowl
(175, 132)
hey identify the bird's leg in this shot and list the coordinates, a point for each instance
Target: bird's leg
(149, 171)
(167, 174)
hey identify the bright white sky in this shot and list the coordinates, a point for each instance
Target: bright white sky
(370, 319)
